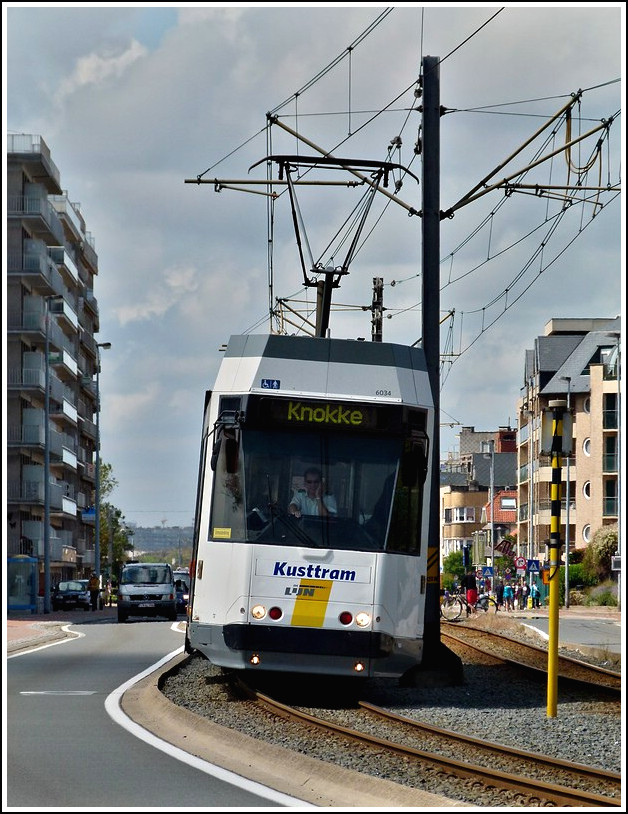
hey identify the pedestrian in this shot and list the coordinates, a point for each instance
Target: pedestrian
(499, 593)
(536, 595)
(509, 597)
(469, 583)
(517, 596)
(94, 590)
(525, 592)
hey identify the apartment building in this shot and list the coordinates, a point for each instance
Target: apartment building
(476, 493)
(576, 361)
(52, 357)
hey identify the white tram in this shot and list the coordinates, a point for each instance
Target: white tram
(279, 583)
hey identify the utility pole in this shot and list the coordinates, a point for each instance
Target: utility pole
(431, 331)
(435, 654)
(377, 309)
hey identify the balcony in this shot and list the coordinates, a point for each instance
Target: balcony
(33, 151)
(64, 363)
(25, 378)
(63, 410)
(609, 419)
(609, 462)
(60, 551)
(70, 215)
(38, 213)
(88, 428)
(65, 314)
(36, 267)
(611, 507)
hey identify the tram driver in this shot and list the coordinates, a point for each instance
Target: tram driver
(313, 500)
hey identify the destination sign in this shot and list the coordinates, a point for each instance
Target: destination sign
(305, 413)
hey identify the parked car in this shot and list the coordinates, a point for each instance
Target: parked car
(182, 589)
(70, 595)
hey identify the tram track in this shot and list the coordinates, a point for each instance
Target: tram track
(475, 767)
(529, 656)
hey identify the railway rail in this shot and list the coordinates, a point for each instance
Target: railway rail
(529, 779)
(529, 656)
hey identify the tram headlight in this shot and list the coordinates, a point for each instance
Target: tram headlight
(258, 611)
(363, 619)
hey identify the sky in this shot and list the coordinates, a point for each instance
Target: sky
(135, 100)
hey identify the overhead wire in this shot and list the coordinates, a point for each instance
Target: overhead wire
(488, 220)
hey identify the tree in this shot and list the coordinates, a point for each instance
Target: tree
(453, 569)
(115, 536)
(596, 562)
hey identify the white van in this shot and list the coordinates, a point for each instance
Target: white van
(146, 589)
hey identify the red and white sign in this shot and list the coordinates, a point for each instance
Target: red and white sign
(520, 562)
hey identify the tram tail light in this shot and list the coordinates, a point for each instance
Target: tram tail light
(363, 619)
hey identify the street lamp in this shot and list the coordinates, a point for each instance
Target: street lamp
(530, 416)
(47, 301)
(567, 495)
(105, 346)
(489, 447)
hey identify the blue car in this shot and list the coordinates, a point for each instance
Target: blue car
(182, 590)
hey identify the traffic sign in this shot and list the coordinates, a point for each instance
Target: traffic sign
(520, 562)
(478, 572)
(534, 566)
(487, 571)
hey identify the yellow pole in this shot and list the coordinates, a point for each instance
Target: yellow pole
(557, 408)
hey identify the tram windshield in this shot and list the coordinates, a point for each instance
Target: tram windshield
(313, 489)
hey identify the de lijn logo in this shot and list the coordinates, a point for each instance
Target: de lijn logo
(302, 590)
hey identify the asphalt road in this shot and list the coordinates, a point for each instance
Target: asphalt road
(66, 749)
(584, 633)
(88, 728)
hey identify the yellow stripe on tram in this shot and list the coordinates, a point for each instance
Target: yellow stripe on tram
(311, 603)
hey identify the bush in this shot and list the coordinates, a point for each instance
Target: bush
(597, 556)
(603, 595)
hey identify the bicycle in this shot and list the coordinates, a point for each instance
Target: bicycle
(483, 603)
(451, 607)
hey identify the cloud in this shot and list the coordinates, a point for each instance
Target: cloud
(132, 101)
(98, 69)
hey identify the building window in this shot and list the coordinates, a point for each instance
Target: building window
(586, 447)
(463, 514)
(508, 503)
(586, 490)
(586, 533)
(586, 404)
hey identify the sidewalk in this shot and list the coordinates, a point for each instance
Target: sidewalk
(572, 612)
(24, 629)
